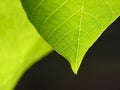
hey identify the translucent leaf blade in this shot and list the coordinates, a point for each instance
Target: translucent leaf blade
(71, 26)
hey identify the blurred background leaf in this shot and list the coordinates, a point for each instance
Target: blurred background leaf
(20, 44)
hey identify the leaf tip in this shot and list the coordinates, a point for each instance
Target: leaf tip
(75, 69)
(75, 66)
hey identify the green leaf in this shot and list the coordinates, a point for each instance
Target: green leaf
(71, 26)
(20, 44)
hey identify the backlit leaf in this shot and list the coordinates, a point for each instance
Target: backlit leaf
(71, 26)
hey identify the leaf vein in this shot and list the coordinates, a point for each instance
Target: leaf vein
(87, 33)
(78, 40)
(65, 35)
(108, 4)
(94, 17)
(36, 8)
(53, 12)
(63, 23)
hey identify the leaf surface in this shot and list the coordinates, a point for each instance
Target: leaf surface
(20, 44)
(71, 26)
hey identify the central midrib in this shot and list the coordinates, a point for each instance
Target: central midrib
(78, 39)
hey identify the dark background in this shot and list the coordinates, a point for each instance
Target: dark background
(100, 69)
